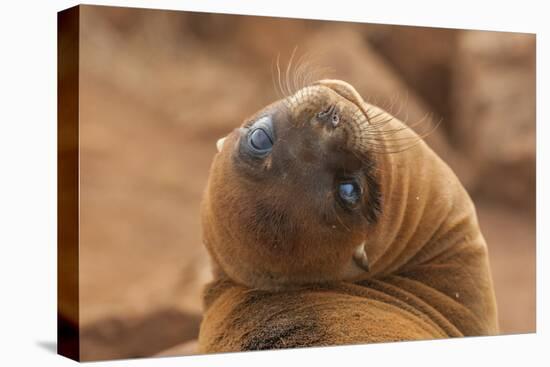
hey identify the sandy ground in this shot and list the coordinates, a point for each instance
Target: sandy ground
(511, 239)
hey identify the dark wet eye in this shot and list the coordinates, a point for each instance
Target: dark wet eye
(260, 140)
(349, 192)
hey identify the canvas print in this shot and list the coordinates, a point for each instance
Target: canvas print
(231, 183)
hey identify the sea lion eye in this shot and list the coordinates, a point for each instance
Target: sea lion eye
(260, 141)
(349, 192)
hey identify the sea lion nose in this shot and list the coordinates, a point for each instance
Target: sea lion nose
(329, 117)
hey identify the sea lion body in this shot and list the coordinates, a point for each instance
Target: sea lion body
(408, 262)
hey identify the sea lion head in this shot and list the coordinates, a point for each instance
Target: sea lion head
(293, 191)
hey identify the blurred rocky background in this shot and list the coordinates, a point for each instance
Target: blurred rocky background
(158, 88)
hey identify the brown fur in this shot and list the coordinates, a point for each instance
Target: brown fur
(285, 274)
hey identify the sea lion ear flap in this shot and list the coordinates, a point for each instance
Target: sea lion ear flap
(219, 144)
(346, 90)
(360, 257)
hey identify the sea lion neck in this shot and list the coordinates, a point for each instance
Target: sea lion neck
(425, 209)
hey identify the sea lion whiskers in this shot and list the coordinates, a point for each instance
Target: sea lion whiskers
(304, 71)
(359, 120)
(389, 102)
(366, 127)
(274, 82)
(393, 100)
(279, 75)
(308, 69)
(372, 136)
(385, 150)
(287, 74)
(386, 135)
(296, 75)
(379, 132)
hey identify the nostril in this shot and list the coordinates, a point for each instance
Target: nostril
(335, 119)
(326, 112)
(329, 116)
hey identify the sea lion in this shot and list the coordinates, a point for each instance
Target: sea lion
(328, 222)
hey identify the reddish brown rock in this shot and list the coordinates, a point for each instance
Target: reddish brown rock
(494, 99)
